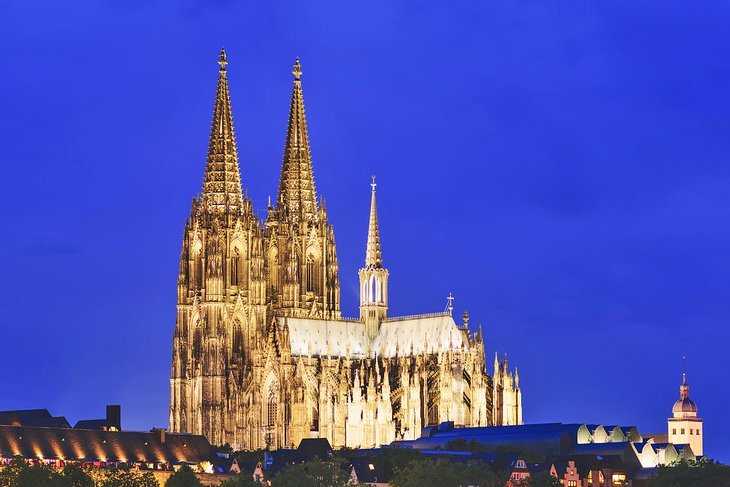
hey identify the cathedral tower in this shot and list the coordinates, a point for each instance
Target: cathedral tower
(373, 277)
(685, 428)
(302, 266)
(221, 286)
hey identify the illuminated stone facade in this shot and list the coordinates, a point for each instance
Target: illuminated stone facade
(261, 354)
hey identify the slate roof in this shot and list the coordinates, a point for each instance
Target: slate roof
(548, 438)
(99, 445)
(397, 336)
(33, 417)
(92, 424)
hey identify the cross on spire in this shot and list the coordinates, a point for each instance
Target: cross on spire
(222, 60)
(297, 71)
(450, 299)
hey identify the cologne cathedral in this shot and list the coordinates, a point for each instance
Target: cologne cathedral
(262, 356)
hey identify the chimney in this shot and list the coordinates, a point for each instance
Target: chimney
(114, 417)
(161, 434)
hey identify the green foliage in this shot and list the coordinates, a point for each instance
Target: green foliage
(315, 473)
(20, 474)
(243, 479)
(75, 476)
(389, 459)
(429, 473)
(117, 477)
(703, 473)
(540, 479)
(185, 477)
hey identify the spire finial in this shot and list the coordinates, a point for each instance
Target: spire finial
(297, 71)
(222, 61)
(372, 185)
(450, 299)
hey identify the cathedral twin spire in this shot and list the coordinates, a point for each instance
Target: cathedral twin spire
(297, 194)
(222, 181)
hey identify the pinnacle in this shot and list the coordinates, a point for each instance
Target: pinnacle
(373, 256)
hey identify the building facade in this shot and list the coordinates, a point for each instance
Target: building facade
(262, 357)
(685, 427)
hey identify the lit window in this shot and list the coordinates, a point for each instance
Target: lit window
(371, 466)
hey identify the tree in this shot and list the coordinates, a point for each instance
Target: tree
(540, 479)
(118, 477)
(389, 459)
(20, 474)
(702, 473)
(443, 473)
(185, 477)
(243, 479)
(314, 473)
(75, 476)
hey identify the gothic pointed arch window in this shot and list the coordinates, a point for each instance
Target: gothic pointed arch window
(372, 289)
(198, 264)
(271, 412)
(312, 277)
(271, 406)
(315, 419)
(235, 264)
(274, 269)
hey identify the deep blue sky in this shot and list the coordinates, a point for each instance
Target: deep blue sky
(562, 167)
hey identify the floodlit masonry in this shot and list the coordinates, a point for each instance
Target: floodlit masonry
(262, 357)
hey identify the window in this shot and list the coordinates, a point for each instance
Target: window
(674, 431)
(274, 268)
(272, 412)
(234, 267)
(682, 431)
(198, 271)
(690, 431)
(315, 420)
(311, 274)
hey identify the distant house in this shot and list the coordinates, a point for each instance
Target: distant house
(519, 473)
